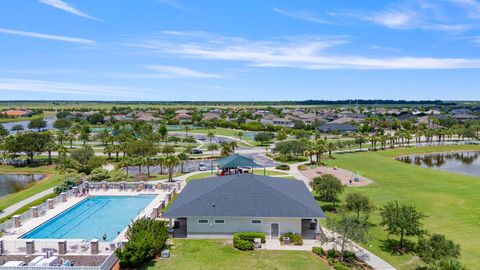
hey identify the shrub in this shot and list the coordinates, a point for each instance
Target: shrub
(146, 239)
(319, 251)
(245, 240)
(332, 253)
(284, 167)
(242, 244)
(340, 266)
(296, 239)
(349, 255)
(250, 236)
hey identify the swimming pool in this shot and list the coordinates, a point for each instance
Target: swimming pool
(92, 218)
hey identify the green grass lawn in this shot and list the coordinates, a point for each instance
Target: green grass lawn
(220, 254)
(27, 206)
(49, 182)
(257, 171)
(451, 201)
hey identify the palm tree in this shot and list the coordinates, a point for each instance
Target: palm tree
(183, 157)
(161, 163)
(210, 135)
(70, 138)
(50, 147)
(62, 151)
(126, 163)
(171, 162)
(330, 146)
(167, 150)
(108, 150)
(116, 148)
(240, 135)
(226, 149)
(212, 147)
(319, 147)
(233, 146)
(60, 137)
(148, 161)
(187, 129)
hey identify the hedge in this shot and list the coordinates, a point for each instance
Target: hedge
(245, 240)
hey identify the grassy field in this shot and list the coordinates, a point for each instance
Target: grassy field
(219, 254)
(258, 171)
(49, 182)
(451, 201)
(27, 206)
(18, 119)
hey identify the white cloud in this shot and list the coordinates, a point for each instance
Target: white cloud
(46, 36)
(9, 84)
(301, 15)
(67, 7)
(393, 18)
(296, 52)
(167, 72)
(472, 7)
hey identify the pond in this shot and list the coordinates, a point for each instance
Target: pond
(24, 124)
(11, 183)
(467, 163)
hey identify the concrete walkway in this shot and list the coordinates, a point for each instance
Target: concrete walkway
(11, 209)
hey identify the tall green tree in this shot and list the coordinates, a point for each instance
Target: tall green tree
(358, 202)
(37, 123)
(328, 187)
(437, 247)
(403, 220)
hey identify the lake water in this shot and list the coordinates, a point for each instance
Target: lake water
(467, 163)
(24, 124)
(11, 183)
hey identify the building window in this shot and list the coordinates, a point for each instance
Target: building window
(203, 221)
(256, 221)
(219, 221)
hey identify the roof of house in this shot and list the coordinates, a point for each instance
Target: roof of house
(245, 195)
(337, 127)
(15, 112)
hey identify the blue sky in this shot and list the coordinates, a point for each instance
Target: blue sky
(239, 50)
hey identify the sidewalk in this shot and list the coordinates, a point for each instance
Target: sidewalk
(11, 209)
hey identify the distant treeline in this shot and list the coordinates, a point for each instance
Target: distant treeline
(213, 103)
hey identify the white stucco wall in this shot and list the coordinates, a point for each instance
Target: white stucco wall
(233, 225)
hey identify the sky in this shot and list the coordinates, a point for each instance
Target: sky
(240, 50)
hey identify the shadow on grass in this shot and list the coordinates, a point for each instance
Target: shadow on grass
(393, 246)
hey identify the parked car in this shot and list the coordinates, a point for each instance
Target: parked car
(202, 166)
(197, 151)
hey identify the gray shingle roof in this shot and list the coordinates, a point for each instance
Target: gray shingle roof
(245, 195)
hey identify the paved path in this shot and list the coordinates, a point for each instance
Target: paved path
(11, 209)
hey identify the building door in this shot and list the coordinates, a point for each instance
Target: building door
(274, 231)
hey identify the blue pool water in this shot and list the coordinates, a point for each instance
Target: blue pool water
(93, 217)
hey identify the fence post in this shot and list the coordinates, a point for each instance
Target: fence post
(75, 191)
(50, 203)
(1, 247)
(94, 247)
(34, 211)
(63, 195)
(16, 221)
(30, 248)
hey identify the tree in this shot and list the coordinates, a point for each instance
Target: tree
(282, 135)
(401, 219)
(210, 135)
(17, 128)
(162, 132)
(37, 123)
(264, 137)
(437, 247)
(331, 146)
(360, 140)
(358, 202)
(348, 229)
(29, 143)
(446, 264)
(50, 146)
(3, 132)
(86, 158)
(328, 187)
(85, 134)
(62, 124)
(183, 157)
(170, 163)
(146, 240)
(168, 150)
(240, 135)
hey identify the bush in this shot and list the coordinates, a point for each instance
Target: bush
(340, 266)
(296, 239)
(319, 251)
(245, 240)
(332, 253)
(284, 167)
(242, 244)
(349, 255)
(146, 239)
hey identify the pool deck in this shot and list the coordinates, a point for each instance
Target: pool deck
(31, 224)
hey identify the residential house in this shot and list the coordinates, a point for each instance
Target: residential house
(183, 117)
(17, 113)
(334, 127)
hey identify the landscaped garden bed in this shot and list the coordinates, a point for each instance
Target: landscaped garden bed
(350, 261)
